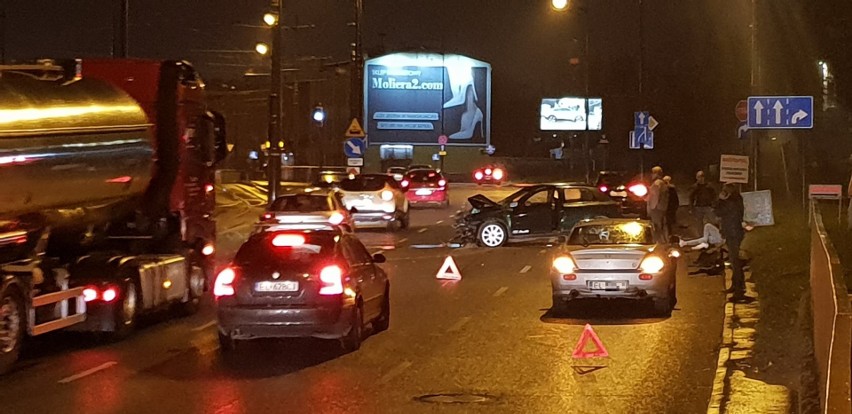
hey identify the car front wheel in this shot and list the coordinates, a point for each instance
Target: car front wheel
(492, 234)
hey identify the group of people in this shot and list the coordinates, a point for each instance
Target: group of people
(720, 215)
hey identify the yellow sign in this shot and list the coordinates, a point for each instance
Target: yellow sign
(355, 130)
(442, 153)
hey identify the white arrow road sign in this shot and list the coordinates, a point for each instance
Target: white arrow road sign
(758, 112)
(778, 108)
(355, 149)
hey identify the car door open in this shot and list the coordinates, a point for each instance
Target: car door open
(534, 214)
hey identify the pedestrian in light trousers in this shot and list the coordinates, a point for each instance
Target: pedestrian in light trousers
(657, 204)
(730, 210)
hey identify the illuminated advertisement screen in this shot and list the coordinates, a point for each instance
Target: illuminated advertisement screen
(416, 98)
(571, 114)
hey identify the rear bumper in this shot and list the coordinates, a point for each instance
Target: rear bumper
(658, 287)
(437, 197)
(369, 219)
(250, 323)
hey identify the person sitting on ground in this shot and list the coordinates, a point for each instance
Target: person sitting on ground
(711, 237)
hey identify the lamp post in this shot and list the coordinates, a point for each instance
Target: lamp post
(357, 100)
(275, 130)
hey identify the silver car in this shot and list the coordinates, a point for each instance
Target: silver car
(312, 209)
(615, 258)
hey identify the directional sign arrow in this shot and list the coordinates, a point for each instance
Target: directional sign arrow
(641, 118)
(652, 123)
(758, 112)
(798, 116)
(778, 107)
(355, 148)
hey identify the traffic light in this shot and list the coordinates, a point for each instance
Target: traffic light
(318, 115)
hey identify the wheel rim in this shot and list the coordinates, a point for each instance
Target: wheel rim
(129, 305)
(493, 235)
(10, 323)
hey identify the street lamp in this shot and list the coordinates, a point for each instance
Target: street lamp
(318, 115)
(559, 5)
(261, 48)
(270, 19)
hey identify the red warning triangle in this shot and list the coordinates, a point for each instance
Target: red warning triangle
(449, 270)
(580, 350)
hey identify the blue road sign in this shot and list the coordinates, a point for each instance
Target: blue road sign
(742, 130)
(781, 112)
(641, 119)
(354, 148)
(641, 138)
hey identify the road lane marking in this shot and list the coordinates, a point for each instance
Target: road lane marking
(203, 327)
(542, 251)
(439, 222)
(88, 372)
(526, 269)
(395, 372)
(403, 240)
(460, 324)
(423, 230)
(501, 291)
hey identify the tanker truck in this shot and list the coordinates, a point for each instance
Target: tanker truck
(106, 195)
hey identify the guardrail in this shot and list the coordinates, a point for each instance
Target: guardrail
(832, 320)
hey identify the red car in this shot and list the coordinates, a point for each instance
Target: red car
(426, 187)
(489, 175)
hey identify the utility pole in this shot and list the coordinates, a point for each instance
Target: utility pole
(2, 32)
(275, 130)
(356, 98)
(119, 29)
(755, 82)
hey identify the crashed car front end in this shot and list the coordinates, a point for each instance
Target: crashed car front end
(468, 221)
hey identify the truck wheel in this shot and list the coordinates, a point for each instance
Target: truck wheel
(492, 234)
(12, 326)
(194, 291)
(125, 312)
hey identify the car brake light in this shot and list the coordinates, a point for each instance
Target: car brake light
(209, 188)
(109, 294)
(603, 188)
(569, 276)
(267, 216)
(208, 249)
(442, 183)
(564, 265)
(498, 174)
(639, 190)
(224, 285)
(288, 240)
(387, 195)
(90, 294)
(404, 183)
(478, 175)
(332, 280)
(488, 171)
(336, 218)
(645, 276)
(652, 264)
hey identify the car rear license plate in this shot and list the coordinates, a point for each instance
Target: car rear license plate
(607, 284)
(423, 192)
(283, 286)
(618, 193)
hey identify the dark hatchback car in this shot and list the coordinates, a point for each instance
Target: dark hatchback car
(320, 284)
(536, 211)
(628, 190)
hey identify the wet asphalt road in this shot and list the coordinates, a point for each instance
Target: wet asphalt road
(489, 338)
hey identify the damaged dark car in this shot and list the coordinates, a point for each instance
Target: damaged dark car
(533, 212)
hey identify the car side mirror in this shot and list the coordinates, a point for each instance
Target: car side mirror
(513, 204)
(379, 258)
(353, 210)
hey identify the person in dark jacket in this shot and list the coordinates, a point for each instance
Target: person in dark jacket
(701, 199)
(673, 205)
(730, 210)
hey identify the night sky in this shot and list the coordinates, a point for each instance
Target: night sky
(696, 52)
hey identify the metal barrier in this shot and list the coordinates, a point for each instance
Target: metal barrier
(832, 320)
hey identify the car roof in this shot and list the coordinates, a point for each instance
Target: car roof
(559, 185)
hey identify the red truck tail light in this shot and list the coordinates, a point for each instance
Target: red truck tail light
(90, 293)
(331, 278)
(224, 285)
(109, 294)
(603, 188)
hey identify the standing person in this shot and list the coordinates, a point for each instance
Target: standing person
(658, 201)
(730, 210)
(672, 206)
(701, 199)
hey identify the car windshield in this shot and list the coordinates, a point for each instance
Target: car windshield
(612, 179)
(513, 197)
(301, 203)
(631, 232)
(296, 251)
(364, 183)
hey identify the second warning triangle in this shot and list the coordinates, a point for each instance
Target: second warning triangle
(449, 270)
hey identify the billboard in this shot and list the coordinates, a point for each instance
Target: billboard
(571, 114)
(414, 98)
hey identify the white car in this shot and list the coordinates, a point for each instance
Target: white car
(376, 200)
(314, 209)
(574, 114)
